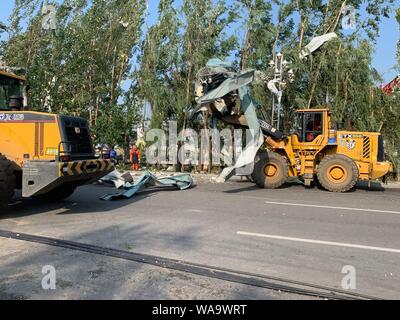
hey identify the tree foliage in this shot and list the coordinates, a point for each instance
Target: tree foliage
(175, 48)
(82, 67)
(106, 61)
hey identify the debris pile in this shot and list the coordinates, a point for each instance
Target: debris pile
(146, 180)
(220, 90)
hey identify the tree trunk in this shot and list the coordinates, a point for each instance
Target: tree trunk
(315, 81)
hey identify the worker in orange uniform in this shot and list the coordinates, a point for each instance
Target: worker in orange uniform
(135, 158)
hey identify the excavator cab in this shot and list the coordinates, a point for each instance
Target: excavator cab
(12, 92)
(311, 127)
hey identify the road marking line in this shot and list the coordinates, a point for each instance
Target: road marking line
(327, 243)
(328, 207)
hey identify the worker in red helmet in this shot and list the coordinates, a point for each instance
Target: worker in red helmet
(135, 158)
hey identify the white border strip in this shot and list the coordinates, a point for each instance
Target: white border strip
(328, 207)
(327, 243)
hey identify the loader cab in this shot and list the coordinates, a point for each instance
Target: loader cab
(311, 125)
(13, 92)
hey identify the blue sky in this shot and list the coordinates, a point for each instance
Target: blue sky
(385, 51)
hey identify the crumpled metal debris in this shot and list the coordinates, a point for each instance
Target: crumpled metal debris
(316, 43)
(219, 81)
(117, 178)
(182, 182)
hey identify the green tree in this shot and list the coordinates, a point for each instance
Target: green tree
(338, 74)
(83, 67)
(181, 43)
(398, 42)
(159, 62)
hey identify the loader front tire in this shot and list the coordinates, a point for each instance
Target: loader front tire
(7, 181)
(60, 193)
(271, 170)
(338, 173)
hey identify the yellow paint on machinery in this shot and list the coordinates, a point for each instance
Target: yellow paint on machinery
(314, 151)
(29, 136)
(79, 168)
(46, 155)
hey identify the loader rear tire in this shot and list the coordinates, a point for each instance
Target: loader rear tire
(7, 181)
(271, 170)
(338, 173)
(60, 193)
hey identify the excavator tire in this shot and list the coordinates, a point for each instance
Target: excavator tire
(338, 173)
(7, 181)
(271, 170)
(252, 178)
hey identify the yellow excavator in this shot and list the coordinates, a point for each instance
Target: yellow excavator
(315, 152)
(47, 156)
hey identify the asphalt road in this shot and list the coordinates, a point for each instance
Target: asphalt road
(307, 235)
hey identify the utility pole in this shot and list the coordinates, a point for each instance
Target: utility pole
(281, 72)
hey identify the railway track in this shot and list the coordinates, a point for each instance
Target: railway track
(230, 275)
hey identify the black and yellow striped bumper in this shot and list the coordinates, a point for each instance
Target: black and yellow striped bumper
(85, 167)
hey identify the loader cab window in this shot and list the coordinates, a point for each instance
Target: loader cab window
(11, 93)
(310, 126)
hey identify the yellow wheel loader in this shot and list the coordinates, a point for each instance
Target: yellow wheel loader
(312, 152)
(315, 152)
(47, 156)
